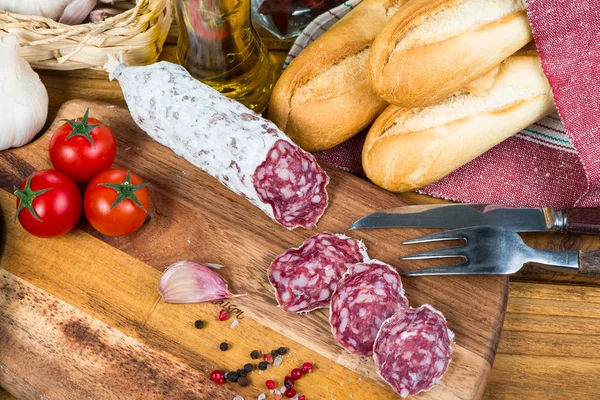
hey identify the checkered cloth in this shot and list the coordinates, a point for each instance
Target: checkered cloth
(546, 164)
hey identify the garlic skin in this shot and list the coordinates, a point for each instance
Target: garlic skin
(52, 9)
(192, 282)
(77, 12)
(23, 97)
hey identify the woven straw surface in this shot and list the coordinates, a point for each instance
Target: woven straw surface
(139, 33)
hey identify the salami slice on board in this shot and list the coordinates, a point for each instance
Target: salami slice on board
(305, 278)
(413, 350)
(244, 151)
(368, 294)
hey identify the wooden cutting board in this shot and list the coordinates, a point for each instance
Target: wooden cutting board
(96, 325)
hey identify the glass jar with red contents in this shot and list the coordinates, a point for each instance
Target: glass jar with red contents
(218, 45)
(286, 18)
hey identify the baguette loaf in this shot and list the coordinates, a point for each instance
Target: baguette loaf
(324, 97)
(432, 48)
(407, 149)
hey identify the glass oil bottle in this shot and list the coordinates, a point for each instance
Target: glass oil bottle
(218, 45)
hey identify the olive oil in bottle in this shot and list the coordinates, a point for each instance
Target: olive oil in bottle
(218, 45)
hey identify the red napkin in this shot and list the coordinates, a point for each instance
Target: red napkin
(539, 166)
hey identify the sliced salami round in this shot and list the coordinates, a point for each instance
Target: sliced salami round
(368, 294)
(413, 350)
(305, 278)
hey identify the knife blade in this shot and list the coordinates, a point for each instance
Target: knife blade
(453, 216)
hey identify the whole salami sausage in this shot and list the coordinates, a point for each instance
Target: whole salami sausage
(244, 151)
(413, 350)
(368, 294)
(305, 278)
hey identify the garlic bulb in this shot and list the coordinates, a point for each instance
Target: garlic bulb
(77, 12)
(45, 8)
(23, 97)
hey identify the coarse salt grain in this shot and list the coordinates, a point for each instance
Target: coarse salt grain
(277, 362)
(234, 324)
(261, 396)
(238, 397)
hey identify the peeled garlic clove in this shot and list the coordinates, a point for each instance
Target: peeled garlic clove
(192, 282)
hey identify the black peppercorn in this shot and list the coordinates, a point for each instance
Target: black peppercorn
(248, 367)
(255, 354)
(274, 353)
(243, 381)
(199, 324)
(241, 372)
(232, 376)
(262, 365)
(223, 346)
(282, 350)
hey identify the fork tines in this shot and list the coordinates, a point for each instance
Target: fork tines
(446, 252)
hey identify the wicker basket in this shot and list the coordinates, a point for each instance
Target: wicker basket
(46, 44)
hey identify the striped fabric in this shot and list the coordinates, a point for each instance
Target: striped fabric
(317, 27)
(550, 132)
(539, 166)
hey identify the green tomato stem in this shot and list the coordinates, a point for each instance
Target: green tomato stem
(81, 128)
(26, 197)
(126, 190)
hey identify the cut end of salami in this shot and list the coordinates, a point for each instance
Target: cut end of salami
(305, 278)
(292, 182)
(368, 294)
(413, 350)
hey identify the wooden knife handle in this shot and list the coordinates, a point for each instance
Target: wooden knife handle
(589, 263)
(583, 220)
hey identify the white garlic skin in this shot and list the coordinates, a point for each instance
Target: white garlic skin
(52, 9)
(23, 97)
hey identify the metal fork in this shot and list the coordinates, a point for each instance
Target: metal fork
(499, 251)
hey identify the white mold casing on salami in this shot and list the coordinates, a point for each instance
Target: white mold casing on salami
(367, 295)
(224, 139)
(425, 364)
(304, 278)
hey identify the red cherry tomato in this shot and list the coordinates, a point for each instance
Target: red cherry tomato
(116, 202)
(82, 148)
(48, 204)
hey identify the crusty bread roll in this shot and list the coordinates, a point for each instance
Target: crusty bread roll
(408, 148)
(432, 48)
(324, 97)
